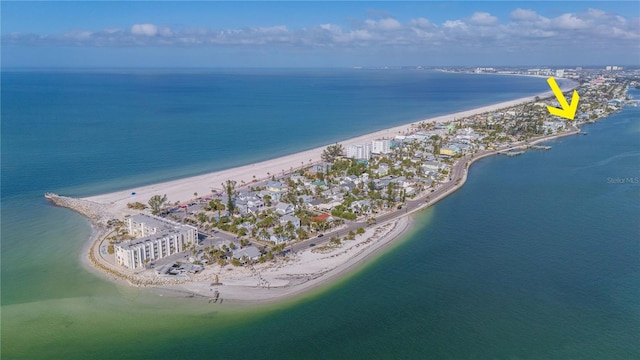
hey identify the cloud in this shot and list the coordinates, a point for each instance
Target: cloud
(421, 23)
(454, 24)
(569, 22)
(144, 29)
(525, 30)
(150, 30)
(483, 19)
(383, 24)
(523, 15)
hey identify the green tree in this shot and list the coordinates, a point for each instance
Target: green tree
(302, 234)
(437, 141)
(236, 262)
(267, 200)
(202, 218)
(360, 231)
(156, 202)
(137, 206)
(278, 248)
(332, 152)
(289, 227)
(229, 186)
(216, 205)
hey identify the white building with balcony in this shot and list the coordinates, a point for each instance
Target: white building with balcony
(359, 151)
(381, 146)
(158, 238)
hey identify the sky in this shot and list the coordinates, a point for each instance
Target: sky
(319, 34)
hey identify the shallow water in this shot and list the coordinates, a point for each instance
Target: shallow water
(535, 257)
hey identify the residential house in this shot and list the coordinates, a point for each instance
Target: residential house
(383, 169)
(361, 206)
(285, 208)
(276, 189)
(248, 253)
(290, 218)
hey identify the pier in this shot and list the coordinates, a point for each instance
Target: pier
(540, 147)
(512, 153)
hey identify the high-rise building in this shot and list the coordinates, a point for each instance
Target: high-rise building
(159, 238)
(359, 151)
(381, 146)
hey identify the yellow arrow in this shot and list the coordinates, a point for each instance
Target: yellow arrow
(567, 111)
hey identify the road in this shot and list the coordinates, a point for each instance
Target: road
(457, 176)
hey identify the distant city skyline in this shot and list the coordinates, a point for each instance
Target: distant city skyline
(319, 34)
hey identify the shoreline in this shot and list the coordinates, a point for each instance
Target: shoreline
(242, 293)
(113, 205)
(246, 174)
(251, 295)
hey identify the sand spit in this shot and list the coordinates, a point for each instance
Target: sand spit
(275, 280)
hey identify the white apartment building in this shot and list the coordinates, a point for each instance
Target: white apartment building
(359, 151)
(381, 146)
(158, 238)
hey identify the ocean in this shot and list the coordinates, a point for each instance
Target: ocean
(535, 257)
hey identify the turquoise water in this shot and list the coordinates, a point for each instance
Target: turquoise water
(535, 257)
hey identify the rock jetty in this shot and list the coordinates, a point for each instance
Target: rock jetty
(96, 213)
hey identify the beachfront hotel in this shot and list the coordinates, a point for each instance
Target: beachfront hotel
(158, 238)
(381, 146)
(359, 151)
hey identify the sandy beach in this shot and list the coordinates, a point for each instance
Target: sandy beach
(286, 277)
(183, 189)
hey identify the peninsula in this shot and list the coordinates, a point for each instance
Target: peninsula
(271, 230)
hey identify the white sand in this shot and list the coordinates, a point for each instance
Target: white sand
(305, 271)
(183, 189)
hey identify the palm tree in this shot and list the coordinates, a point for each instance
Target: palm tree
(289, 228)
(216, 204)
(156, 202)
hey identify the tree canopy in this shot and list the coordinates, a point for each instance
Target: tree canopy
(156, 202)
(332, 152)
(229, 186)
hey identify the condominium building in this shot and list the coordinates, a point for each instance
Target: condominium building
(359, 151)
(158, 238)
(381, 146)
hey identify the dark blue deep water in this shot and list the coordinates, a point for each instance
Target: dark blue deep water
(536, 257)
